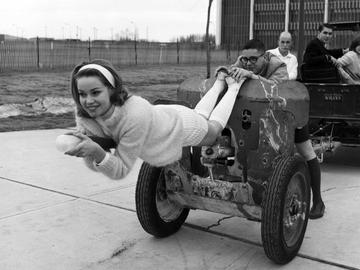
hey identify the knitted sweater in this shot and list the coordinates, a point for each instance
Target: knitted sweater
(153, 133)
(351, 61)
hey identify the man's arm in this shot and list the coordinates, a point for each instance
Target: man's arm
(337, 53)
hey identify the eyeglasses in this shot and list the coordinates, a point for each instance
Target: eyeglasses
(252, 59)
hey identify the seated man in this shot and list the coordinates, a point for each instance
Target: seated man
(319, 62)
(255, 63)
(283, 52)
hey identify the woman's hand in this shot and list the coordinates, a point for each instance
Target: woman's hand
(87, 148)
(221, 73)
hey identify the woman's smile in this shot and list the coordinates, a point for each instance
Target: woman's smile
(94, 96)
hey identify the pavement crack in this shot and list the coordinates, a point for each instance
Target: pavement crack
(118, 252)
(122, 249)
(328, 189)
(218, 222)
(352, 187)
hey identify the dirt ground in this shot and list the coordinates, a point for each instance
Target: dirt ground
(150, 82)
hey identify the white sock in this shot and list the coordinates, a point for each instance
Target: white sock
(223, 109)
(207, 103)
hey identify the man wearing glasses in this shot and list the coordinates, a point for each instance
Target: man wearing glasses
(255, 63)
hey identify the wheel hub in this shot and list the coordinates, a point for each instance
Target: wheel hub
(168, 210)
(294, 209)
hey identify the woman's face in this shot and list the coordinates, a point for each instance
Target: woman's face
(94, 96)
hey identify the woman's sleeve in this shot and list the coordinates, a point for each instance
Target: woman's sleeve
(345, 60)
(119, 164)
(89, 127)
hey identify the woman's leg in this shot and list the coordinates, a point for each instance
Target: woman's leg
(221, 113)
(207, 102)
(307, 151)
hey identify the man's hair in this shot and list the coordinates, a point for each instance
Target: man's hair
(323, 25)
(254, 44)
(285, 34)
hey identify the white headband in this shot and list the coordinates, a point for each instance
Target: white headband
(107, 74)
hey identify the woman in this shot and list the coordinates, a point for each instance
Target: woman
(154, 133)
(349, 63)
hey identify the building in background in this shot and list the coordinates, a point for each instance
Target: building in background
(241, 20)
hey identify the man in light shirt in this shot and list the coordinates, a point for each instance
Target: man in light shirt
(283, 52)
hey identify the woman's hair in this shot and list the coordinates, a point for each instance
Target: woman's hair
(119, 94)
(354, 44)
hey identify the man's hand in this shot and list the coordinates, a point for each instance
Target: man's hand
(333, 61)
(87, 148)
(240, 73)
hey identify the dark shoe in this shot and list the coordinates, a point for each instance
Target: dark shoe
(317, 210)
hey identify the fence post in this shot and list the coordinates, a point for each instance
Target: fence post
(135, 51)
(228, 52)
(37, 53)
(89, 49)
(177, 51)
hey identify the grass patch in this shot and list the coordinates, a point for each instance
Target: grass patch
(33, 122)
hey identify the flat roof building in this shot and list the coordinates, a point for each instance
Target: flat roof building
(241, 20)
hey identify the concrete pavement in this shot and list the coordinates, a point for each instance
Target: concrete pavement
(57, 214)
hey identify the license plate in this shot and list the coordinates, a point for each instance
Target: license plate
(333, 97)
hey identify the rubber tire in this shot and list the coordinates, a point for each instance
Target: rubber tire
(145, 198)
(272, 210)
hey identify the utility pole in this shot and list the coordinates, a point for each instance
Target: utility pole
(207, 41)
(301, 32)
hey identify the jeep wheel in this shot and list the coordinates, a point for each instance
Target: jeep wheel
(157, 214)
(285, 209)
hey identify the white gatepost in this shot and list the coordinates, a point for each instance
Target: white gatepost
(287, 15)
(218, 23)
(326, 11)
(251, 26)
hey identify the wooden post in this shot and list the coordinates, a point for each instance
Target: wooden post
(177, 51)
(89, 49)
(135, 50)
(38, 52)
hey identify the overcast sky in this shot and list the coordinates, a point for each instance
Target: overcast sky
(160, 20)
